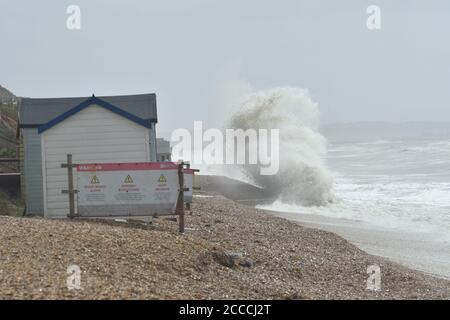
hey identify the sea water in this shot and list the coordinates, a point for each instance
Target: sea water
(403, 185)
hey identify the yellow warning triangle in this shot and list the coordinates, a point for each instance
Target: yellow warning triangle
(95, 180)
(162, 179)
(128, 179)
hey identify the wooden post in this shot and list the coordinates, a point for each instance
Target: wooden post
(188, 205)
(193, 188)
(71, 191)
(180, 201)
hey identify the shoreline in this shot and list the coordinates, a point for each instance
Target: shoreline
(229, 251)
(348, 254)
(415, 250)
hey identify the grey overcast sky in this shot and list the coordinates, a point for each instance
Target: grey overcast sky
(197, 54)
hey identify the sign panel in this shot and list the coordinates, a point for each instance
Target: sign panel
(127, 189)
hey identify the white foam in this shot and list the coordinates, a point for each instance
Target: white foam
(303, 177)
(390, 189)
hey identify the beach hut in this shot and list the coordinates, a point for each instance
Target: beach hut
(164, 151)
(93, 130)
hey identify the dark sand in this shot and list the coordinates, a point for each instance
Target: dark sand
(229, 250)
(412, 249)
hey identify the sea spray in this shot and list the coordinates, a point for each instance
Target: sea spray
(302, 177)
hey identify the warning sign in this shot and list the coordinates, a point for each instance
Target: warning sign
(127, 189)
(128, 179)
(95, 180)
(162, 179)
